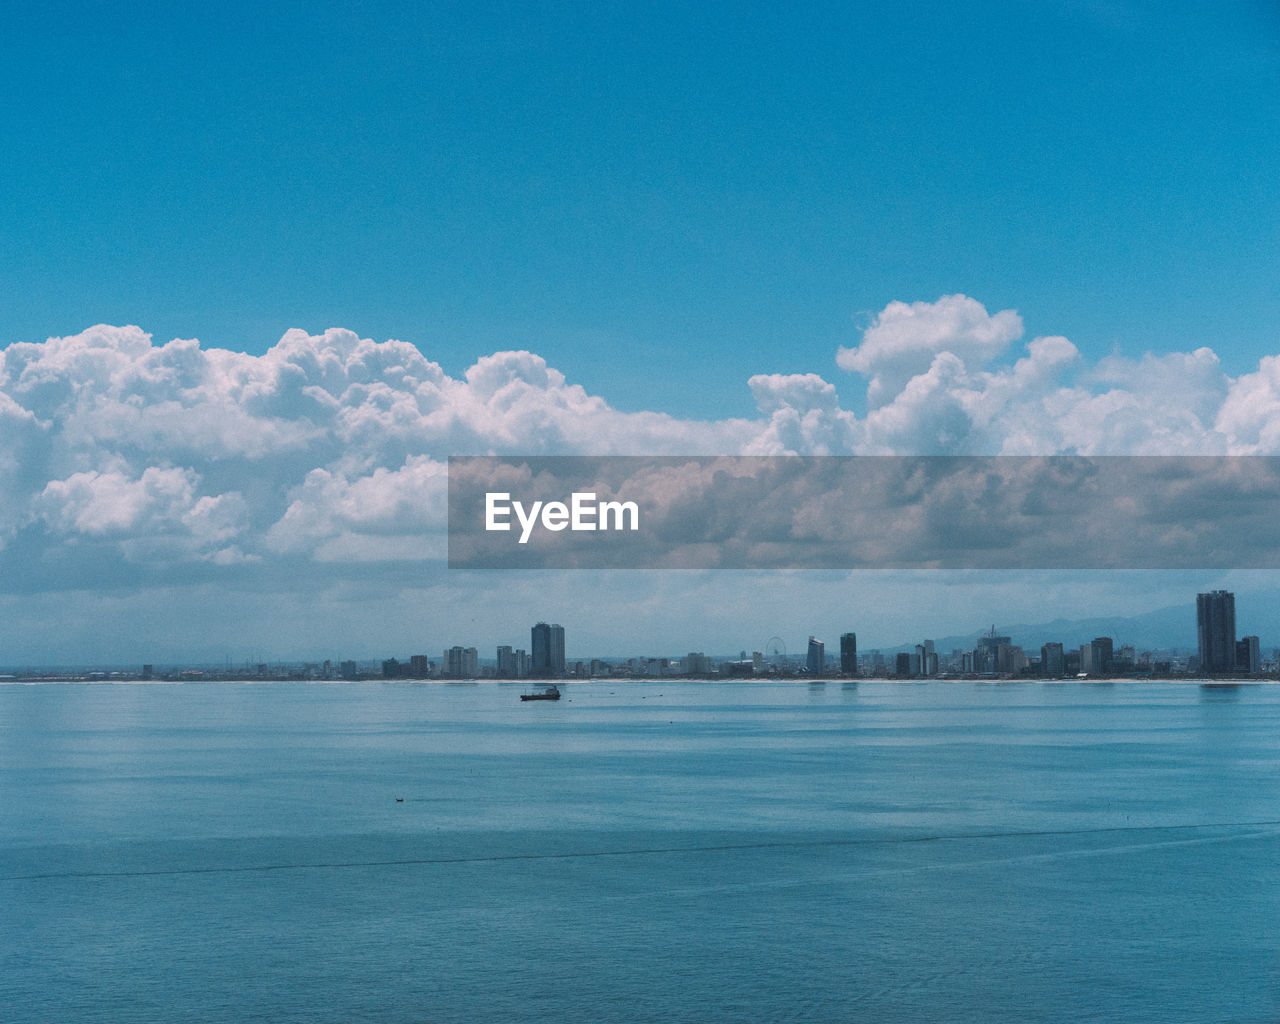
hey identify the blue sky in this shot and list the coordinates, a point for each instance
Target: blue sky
(1020, 228)
(658, 200)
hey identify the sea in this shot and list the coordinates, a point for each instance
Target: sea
(640, 851)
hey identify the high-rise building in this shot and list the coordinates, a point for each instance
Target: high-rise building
(1052, 662)
(1103, 654)
(1096, 656)
(849, 654)
(697, 664)
(815, 662)
(419, 667)
(1248, 656)
(1010, 658)
(1216, 631)
(547, 650)
(462, 663)
(512, 664)
(986, 654)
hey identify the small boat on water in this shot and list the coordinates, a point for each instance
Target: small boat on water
(547, 693)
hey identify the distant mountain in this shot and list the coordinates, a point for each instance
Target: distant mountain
(1161, 629)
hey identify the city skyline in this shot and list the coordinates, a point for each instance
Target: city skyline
(992, 654)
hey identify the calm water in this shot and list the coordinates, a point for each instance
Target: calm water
(640, 852)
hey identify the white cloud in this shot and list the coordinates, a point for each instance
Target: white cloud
(804, 417)
(332, 447)
(104, 504)
(904, 339)
(1249, 417)
(328, 508)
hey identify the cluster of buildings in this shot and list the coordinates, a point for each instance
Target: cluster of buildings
(1219, 652)
(543, 660)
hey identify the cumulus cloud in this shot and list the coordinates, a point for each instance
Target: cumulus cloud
(803, 415)
(904, 339)
(331, 448)
(157, 513)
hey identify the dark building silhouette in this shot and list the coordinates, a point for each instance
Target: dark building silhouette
(547, 650)
(1103, 654)
(1053, 661)
(1216, 631)
(849, 654)
(1248, 656)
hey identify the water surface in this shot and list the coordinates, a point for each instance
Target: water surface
(640, 851)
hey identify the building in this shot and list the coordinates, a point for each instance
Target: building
(697, 664)
(1052, 662)
(1103, 654)
(986, 656)
(1216, 631)
(462, 663)
(512, 664)
(815, 662)
(1248, 656)
(849, 654)
(547, 651)
(1010, 659)
(1096, 656)
(419, 667)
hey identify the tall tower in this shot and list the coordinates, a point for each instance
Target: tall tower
(1216, 631)
(557, 649)
(814, 662)
(849, 654)
(547, 649)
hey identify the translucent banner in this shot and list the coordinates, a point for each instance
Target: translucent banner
(864, 512)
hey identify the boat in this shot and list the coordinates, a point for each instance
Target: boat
(547, 693)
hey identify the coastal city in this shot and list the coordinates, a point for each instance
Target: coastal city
(1218, 653)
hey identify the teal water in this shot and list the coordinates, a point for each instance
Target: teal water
(651, 851)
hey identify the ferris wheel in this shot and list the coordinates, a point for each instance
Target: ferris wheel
(775, 652)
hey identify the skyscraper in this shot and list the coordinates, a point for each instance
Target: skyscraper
(462, 663)
(815, 662)
(547, 648)
(1216, 631)
(849, 654)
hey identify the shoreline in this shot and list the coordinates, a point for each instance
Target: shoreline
(525, 683)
